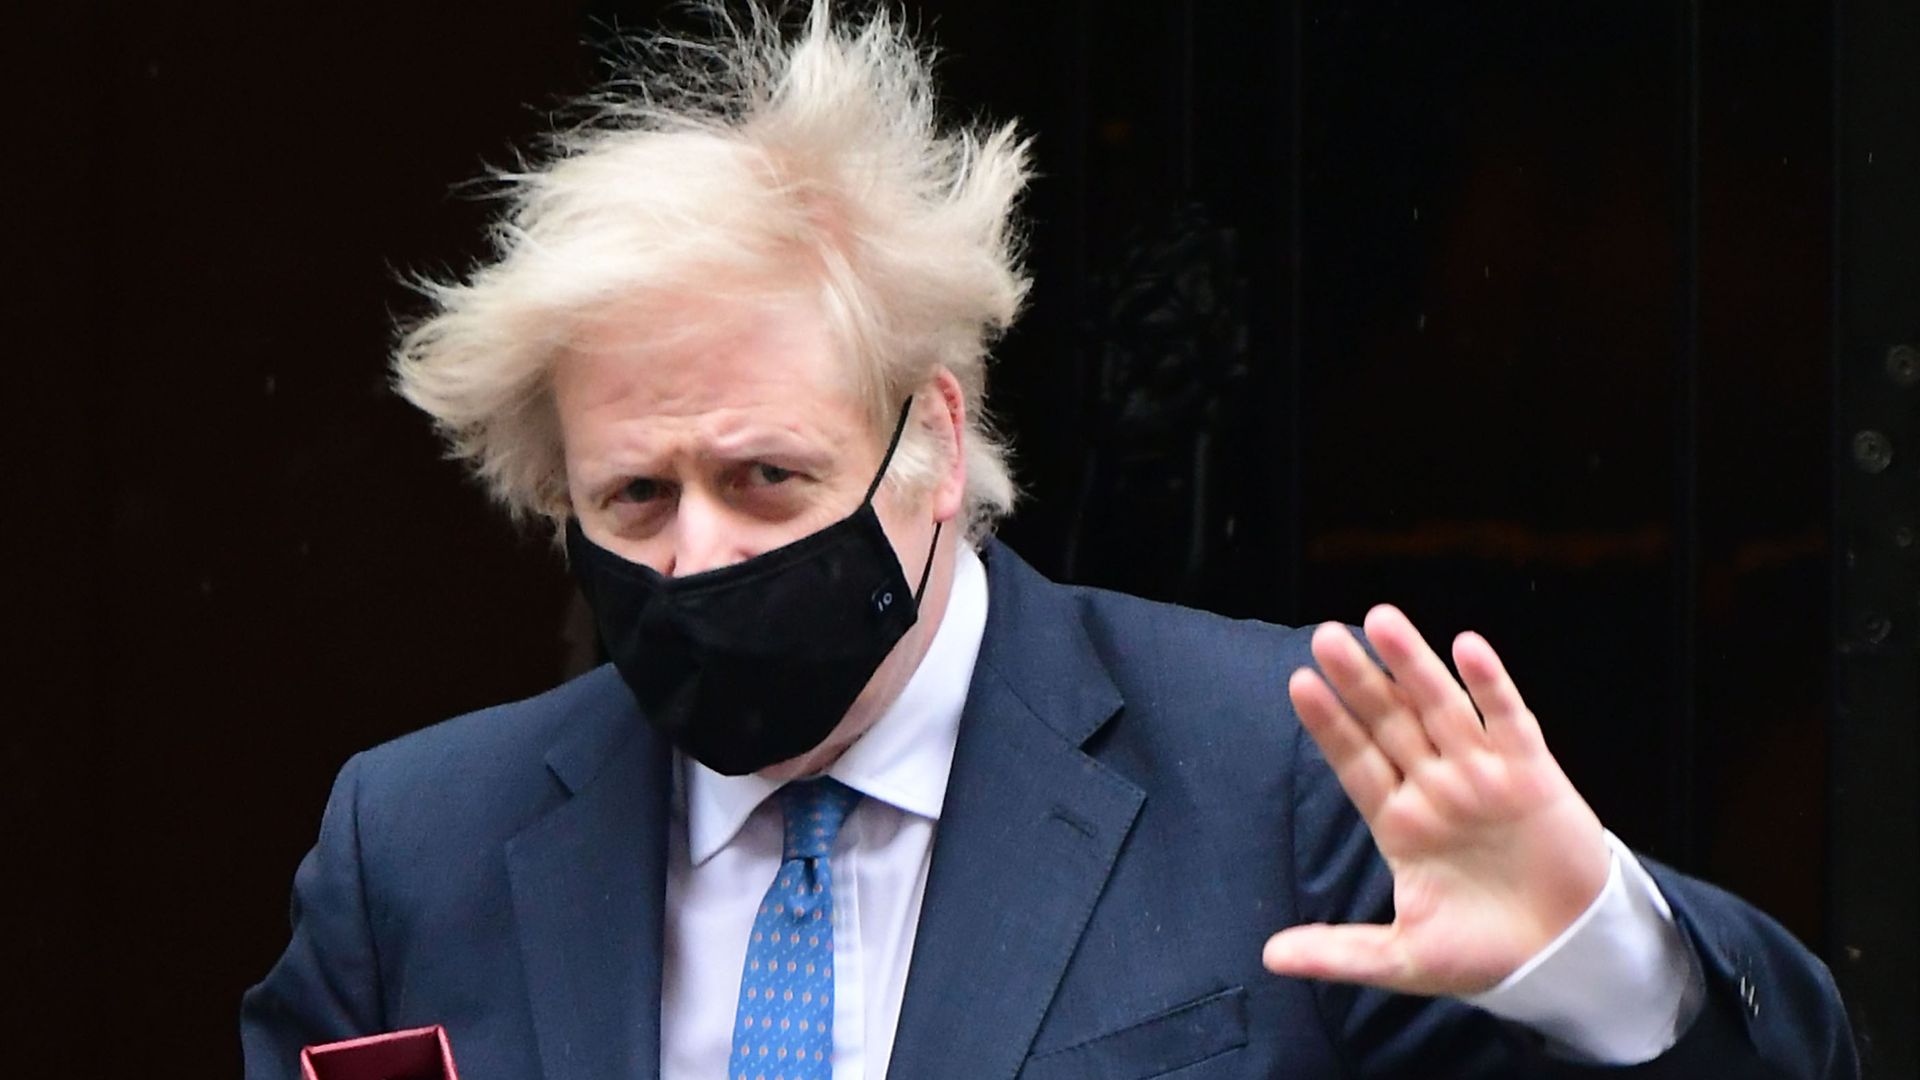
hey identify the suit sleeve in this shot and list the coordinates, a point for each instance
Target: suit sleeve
(326, 986)
(1771, 1009)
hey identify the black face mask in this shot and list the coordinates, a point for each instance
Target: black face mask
(757, 662)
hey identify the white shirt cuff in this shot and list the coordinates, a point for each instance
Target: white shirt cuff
(1615, 988)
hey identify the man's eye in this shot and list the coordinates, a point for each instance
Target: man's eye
(772, 474)
(642, 489)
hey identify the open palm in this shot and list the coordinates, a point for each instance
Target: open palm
(1493, 853)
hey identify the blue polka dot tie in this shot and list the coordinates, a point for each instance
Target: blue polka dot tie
(783, 1027)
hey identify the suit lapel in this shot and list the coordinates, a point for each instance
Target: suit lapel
(588, 885)
(1027, 838)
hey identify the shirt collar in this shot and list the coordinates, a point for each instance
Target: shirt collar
(903, 759)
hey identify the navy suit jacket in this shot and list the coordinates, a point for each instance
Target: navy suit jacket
(1133, 808)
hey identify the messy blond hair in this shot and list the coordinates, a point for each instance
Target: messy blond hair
(750, 164)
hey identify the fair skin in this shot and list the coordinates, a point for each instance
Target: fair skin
(1493, 852)
(718, 446)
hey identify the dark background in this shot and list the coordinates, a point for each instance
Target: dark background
(1573, 323)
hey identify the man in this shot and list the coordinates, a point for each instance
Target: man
(862, 795)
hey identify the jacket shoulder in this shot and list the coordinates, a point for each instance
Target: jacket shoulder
(513, 725)
(1185, 629)
(1139, 641)
(487, 769)
(1164, 653)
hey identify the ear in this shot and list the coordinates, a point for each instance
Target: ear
(948, 425)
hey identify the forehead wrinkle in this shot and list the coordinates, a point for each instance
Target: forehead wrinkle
(721, 383)
(736, 431)
(731, 366)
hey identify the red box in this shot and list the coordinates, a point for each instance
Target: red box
(419, 1054)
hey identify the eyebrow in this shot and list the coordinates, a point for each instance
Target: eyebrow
(612, 471)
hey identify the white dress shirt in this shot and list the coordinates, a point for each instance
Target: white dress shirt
(727, 841)
(720, 863)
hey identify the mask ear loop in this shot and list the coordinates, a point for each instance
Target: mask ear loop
(927, 570)
(893, 444)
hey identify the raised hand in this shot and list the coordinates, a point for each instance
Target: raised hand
(1493, 852)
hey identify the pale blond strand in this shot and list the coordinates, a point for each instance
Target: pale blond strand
(749, 165)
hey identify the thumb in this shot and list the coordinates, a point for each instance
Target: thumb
(1357, 953)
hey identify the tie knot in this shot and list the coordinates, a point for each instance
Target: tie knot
(815, 810)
